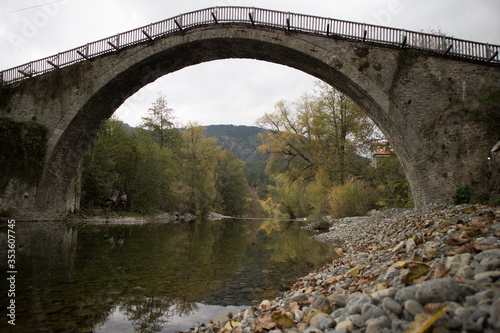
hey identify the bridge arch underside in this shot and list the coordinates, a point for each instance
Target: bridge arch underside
(372, 76)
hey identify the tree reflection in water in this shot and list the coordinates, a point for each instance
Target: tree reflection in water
(75, 278)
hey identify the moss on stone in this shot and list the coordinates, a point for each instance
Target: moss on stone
(6, 94)
(484, 110)
(22, 151)
(406, 59)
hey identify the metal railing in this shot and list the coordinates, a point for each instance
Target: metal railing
(262, 17)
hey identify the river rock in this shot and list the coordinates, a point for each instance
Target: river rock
(318, 319)
(338, 299)
(370, 311)
(402, 295)
(495, 314)
(357, 320)
(413, 307)
(345, 325)
(388, 304)
(438, 290)
(320, 302)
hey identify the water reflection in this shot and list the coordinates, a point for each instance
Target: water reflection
(82, 278)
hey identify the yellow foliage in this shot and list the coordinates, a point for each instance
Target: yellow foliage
(350, 199)
(425, 320)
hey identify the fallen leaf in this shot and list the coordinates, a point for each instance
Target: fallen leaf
(457, 240)
(405, 264)
(484, 247)
(469, 210)
(232, 324)
(382, 286)
(429, 255)
(475, 233)
(415, 270)
(399, 264)
(467, 248)
(472, 248)
(266, 322)
(330, 280)
(355, 270)
(283, 320)
(481, 223)
(339, 251)
(439, 272)
(465, 228)
(445, 229)
(425, 320)
(433, 308)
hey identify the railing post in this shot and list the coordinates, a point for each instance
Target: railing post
(251, 18)
(147, 35)
(488, 52)
(447, 47)
(1, 78)
(86, 54)
(179, 23)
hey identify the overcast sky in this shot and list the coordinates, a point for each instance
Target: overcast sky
(225, 91)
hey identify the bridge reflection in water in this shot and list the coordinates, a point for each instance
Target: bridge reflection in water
(85, 278)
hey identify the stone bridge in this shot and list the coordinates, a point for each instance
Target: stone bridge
(436, 99)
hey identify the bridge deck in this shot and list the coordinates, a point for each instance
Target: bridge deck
(367, 33)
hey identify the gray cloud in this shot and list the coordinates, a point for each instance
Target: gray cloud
(230, 91)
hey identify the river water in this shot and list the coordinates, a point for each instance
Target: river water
(152, 277)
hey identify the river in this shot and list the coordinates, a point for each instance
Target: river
(152, 277)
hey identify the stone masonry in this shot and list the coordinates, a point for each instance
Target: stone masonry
(441, 115)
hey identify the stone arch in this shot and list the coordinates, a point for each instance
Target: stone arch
(409, 94)
(120, 76)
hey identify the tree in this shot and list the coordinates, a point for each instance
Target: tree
(160, 122)
(316, 143)
(199, 160)
(103, 164)
(151, 183)
(231, 184)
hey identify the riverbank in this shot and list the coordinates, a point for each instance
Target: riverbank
(400, 271)
(163, 217)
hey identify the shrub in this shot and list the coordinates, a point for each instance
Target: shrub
(462, 195)
(350, 199)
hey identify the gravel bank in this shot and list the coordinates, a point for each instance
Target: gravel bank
(436, 268)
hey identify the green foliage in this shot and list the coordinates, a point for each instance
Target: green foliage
(462, 195)
(391, 187)
(231, 185)
(160, 122)
(198, 167)
(22, 149)
(257, 177)
(195, 175)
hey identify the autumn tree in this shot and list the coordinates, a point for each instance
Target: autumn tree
(160, 121)
(315, 143)
(231, 185)
(199, 160)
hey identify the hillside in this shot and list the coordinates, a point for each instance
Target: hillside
(240, 140)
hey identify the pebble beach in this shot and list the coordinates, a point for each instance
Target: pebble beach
(432, 269)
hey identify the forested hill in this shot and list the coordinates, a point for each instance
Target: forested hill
(240, 140)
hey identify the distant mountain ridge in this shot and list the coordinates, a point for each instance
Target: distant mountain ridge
(239, 139)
